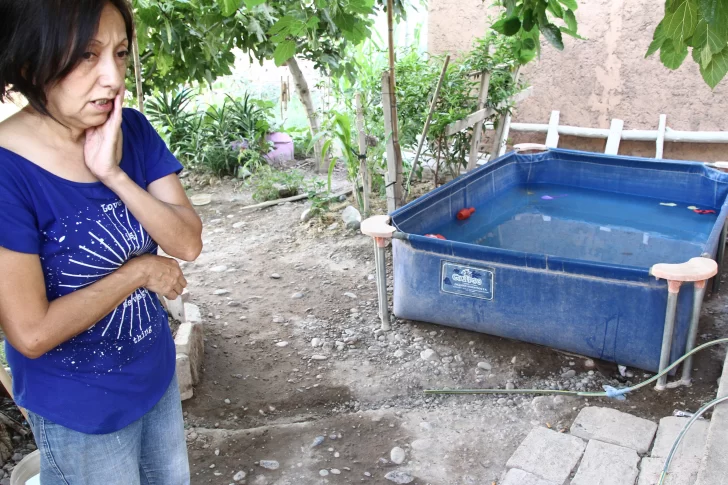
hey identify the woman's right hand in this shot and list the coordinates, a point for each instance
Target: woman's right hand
(160, 275)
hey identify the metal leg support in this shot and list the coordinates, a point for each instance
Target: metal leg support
(673, 291)
(693, 335)
(380, 259)
(720, 257)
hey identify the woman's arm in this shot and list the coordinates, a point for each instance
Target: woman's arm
(33, 325)
(164, 211)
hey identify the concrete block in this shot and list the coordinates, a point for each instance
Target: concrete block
(547, 454)
(192, 313)
(714, 467)
(190, 341)
(607, 464)
(682, 471)
(615, 427)
(691, 446)
(184, 376)
(519, 477)
(176, 307)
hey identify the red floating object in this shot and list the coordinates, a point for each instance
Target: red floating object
(465, 213)
(704, 211)
(435, 236)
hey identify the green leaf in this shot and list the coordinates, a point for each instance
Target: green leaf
(528, 20)
(284, 51)
(705, 56)
(253, 3)
(229, 7)
(571, 33)
(696, 55)
(714, 72)
(681, 24)
(571, 4)
(499, 26)
(555, 8)
(570, 20)
(671, 56)
(655, 46)
(715, 12)
(552, 34)
(705, 34)
(529, 44)
(511, 26)
(510, 7)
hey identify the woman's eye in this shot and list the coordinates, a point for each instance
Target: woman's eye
(88, 55)
(123, 54)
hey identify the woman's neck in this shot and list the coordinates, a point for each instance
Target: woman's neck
(55, 132)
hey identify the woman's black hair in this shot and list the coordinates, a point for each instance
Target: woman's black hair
(42, 41)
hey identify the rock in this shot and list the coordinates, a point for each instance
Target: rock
(607, 464)
(238, 225)
(397, 455)
(324, 473)
(316, 342)
(328, 346)
(609, 425)
(398, 476)
(429, 355)
(219, 269)
(548, 454)
(269, 464)
(221, 292)
(201, 199)
(285, 191)
(297, 296)
(569, 374)
(17, 457)
(334, 226)
(275, 276)
(350, 295)
(239, 476)
(335, 471)
(307, 215)
(351, 217)
(318, 357)
(227, 401)
(243, 173)
(399, 353)
(510, 386)
(317, 441)
(233, 304)
(282, 344)
(485, 366)
(589, 364)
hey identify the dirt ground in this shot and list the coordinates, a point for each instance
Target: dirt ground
(331, 413)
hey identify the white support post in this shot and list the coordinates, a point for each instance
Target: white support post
(501, 142)
(478, 130)
(660, 145)
(615, 136)
(552, 136)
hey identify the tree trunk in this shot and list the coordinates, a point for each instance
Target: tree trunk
(313, 119)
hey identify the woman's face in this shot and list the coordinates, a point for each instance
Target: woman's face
(84, 98)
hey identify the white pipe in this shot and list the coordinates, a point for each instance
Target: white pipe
(629, 135)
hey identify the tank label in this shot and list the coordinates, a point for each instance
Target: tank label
(471, 281)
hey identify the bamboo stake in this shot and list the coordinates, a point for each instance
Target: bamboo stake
(425, 129)
(137, 68)
(393, 101)
(363, 169)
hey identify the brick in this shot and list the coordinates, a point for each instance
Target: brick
(681, 472)
(714, 466)
(184, 376)
(691, 446)
(607, 464)
(176, 307)
(190, 341)
(547, 454)
(615, 427)
(519, 477)
(192, 313)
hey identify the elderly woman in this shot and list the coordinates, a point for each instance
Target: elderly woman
(88, 191)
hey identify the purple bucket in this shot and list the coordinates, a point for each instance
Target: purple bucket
(282, 148)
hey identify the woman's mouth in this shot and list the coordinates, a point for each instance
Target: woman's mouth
(103, 105)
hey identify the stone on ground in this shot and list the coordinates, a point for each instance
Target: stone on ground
(397, 455)
(681, 472)
(519, 477)
(692, 445)
(548, 454)
(400, 477)
(607, 464)
(615, 427)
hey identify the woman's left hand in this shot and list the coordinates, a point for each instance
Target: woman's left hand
(101, 149)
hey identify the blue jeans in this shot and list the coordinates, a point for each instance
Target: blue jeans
(150, 451)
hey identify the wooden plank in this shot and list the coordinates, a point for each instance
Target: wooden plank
(478, 131)
(363, 169)
(390, 178)
(660, 143)
(615, 136)
(466, 123)
(552, 136)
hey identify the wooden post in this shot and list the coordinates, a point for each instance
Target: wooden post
(500, 144)
(435, 97)
(393, 91)
(137, 73)
(392, 182)
(363, 168)
(615, 136)
(478, 129)
(660, 144)
(552, 136)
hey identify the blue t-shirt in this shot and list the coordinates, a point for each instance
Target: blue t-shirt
(112, 374)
